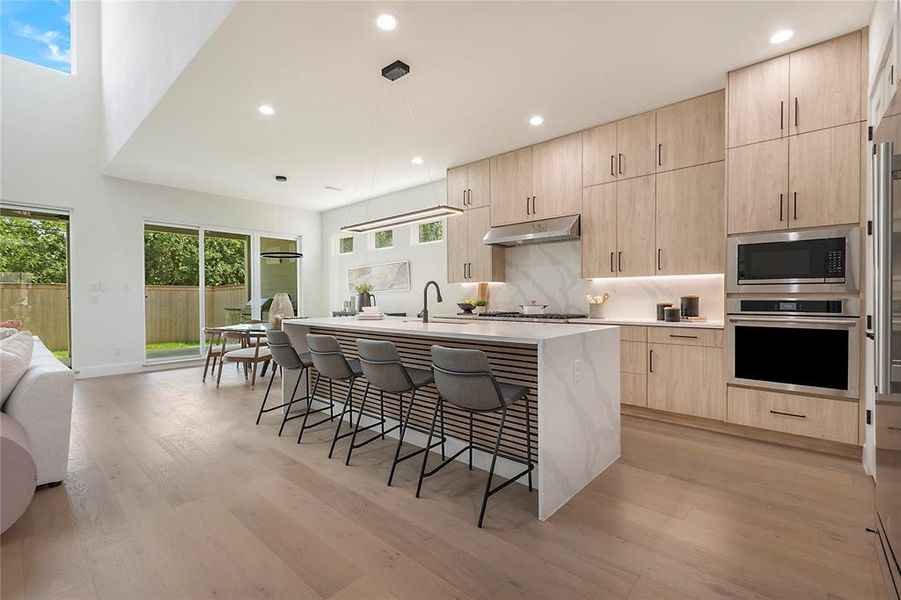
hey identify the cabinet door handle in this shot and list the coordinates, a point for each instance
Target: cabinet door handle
(781, 115)
(651, 361)
(533, 206)
(528, 205)
(687, 337)
(620, 163)
(465, 276)
(469, 197)
(619, 261)
(788, 414)
(780, 206)
(795, 209)
(659, 155)
(796, 111)
(612, 268)
(658, 258)
(612, 166)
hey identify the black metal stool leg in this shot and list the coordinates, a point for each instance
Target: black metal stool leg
(344, 410)
(353, 438)
(470, 441)
(303, 426)
(529, 439)
(331, 396)
(443, 437)
(497, 445)
(266, 395)
(428, 444)
(381, 409)
(403, 430)
(290, 402)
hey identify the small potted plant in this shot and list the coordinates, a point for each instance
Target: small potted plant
(364, 295)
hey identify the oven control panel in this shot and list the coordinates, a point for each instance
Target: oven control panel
(797, 306)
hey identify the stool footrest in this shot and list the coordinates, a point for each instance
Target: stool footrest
(300, 413)
(373, 438)
(401, 459)
(516, 459)
(352, 431)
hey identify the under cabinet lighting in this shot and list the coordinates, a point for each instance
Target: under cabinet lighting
(410, 218)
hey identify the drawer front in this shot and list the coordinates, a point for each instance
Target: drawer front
(810, 416)
(684, 336)
(633, 357)
(633, 389)
(633, 333)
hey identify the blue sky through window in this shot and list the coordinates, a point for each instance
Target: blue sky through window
(38, 31)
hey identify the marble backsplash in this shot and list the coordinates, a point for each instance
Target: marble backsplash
(551, 274)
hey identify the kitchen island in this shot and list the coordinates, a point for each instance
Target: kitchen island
(571, 370)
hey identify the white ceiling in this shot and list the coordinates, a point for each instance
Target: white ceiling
(479, 71)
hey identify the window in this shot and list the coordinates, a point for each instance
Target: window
(345, 245)
(38, 31)
(429, 232)
(226, 278)
(383, 239)
(34, 275)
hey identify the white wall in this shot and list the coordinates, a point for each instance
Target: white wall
(146, 44)
(51, 130)
(548, 273)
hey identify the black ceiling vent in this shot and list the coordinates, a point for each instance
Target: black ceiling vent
(395, 70)
(281, 178)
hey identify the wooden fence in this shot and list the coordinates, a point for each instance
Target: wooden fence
(171, 312)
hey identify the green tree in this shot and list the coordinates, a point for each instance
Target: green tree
(36, 247)
(172, 259)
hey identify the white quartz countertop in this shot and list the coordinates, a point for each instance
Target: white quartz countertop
(504, 331)
(653, 323)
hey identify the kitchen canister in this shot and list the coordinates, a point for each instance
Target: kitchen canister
(691, 306)
(671, 314)
(661, 307)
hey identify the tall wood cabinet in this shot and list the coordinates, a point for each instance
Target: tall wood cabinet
(538, 182)
(691, 132)
(794, 139)
(468, 185)
(468, 259)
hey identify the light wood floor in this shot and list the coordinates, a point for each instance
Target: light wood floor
(173, 492)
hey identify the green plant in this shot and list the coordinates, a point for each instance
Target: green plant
(363, 288)
(480, 302)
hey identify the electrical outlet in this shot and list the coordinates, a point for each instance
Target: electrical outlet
(577, 371)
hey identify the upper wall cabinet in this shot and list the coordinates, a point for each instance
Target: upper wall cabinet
(813, 88)
(824, 81)
(539, 182)
(636, 139)
(599, 155)
(468, 185)
(758, 102)
(691, 132)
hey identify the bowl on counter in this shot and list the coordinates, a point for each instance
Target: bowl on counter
(466, 307)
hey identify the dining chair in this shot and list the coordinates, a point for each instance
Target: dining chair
(251, 353)
(214, 349)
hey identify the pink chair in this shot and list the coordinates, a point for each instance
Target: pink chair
(18, 472)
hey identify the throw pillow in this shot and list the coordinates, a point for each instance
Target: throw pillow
(15, 356)
(6, 332)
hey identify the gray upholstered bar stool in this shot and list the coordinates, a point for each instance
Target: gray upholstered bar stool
(385, 371)
(464, 378)
(331, 363)
(286, 358)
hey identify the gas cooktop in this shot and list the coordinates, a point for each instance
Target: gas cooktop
(500, 315)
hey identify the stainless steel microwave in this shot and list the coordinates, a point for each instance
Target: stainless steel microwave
(816, 261)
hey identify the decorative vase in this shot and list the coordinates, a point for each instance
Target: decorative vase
(280, 309)
(365, 299)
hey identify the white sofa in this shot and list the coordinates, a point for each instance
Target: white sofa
(42, 404)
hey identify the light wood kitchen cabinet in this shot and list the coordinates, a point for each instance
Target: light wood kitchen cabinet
(468, 259)
(635, 220)
(633, 373)
(511, 187)
(557, 178)
(824, 177)
(636, 145)
(824, 84)
(599, 155)
(468, 185)
(691, 220)
(758, 102)
(599, 231)
(691, 132)
(687, 379)
(758, 187)
(824, 418)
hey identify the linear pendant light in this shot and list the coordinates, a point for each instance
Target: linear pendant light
(417, 216)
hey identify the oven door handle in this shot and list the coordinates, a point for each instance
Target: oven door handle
(830, 323)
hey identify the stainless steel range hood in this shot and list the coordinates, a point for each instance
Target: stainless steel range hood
(558, 229)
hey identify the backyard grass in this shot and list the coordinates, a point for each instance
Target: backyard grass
(172, 345)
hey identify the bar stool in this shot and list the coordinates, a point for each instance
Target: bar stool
(331, 363)
(464, 378)
(286, 358)
(384, 370)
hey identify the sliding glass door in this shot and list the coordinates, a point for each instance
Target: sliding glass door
(171, 292)
(34, 275)
(226, 276)
(278, 274)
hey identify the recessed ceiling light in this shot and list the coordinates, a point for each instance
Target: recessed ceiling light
(416, 160)
(266, 110)
(386, 22)
(536, 120)
(783, 35)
